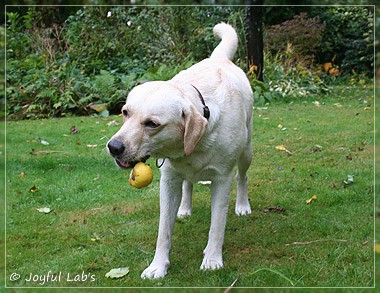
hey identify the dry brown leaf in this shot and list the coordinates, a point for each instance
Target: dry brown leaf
(281, 148)
(314, 197)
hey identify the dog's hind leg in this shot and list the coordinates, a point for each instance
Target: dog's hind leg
(242, 203)
(186, 202)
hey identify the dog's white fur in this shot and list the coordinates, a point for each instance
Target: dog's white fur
(195, 148)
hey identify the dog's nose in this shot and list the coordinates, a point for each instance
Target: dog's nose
(116, 147)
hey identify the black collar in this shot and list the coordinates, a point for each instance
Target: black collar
(206, 110)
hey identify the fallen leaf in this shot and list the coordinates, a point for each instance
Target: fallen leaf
(117, 273)
(112, 123)
(45, 210)
(339, 105)
(95, 237)
(274, 208)
(349, 181)
(74, 130)
(317, 148)
(33, 189)
(317, 103)
(44, 142)
(22, 175)
(283, 148)
(279, 126)
(314, 197)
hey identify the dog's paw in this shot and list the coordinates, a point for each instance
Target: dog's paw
(155, 271)
(243, 210)
(183, 213)
(211, 264)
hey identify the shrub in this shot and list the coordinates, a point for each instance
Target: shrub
(302, 33)
(286, 82)
(137, 38)
(100, 54)
(349, 37)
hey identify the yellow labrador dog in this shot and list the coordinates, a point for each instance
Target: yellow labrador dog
(200, 122)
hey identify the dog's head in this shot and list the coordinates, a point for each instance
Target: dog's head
(159, 120)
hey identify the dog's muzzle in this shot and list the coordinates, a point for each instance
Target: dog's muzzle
(116, 149)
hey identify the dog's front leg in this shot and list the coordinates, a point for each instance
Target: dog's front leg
(170, 197)
(220, 194)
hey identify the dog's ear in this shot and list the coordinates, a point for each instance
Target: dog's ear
(195, 127)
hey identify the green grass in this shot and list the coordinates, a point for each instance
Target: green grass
(91, 200)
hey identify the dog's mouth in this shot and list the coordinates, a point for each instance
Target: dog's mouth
(130, 164)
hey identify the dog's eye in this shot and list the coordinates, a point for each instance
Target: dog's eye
(125, 113)
(151, 124)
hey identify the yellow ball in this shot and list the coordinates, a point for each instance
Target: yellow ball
(141, 175)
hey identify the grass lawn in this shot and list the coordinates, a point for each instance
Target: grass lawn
(98, 222)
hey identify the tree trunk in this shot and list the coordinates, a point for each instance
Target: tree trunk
(254, 38)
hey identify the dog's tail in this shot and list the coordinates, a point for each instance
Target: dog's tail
(227, 47)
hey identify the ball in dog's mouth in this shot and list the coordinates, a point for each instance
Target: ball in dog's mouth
(141, 175)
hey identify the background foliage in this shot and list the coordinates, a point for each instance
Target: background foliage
(349, 37)
(84, 60)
